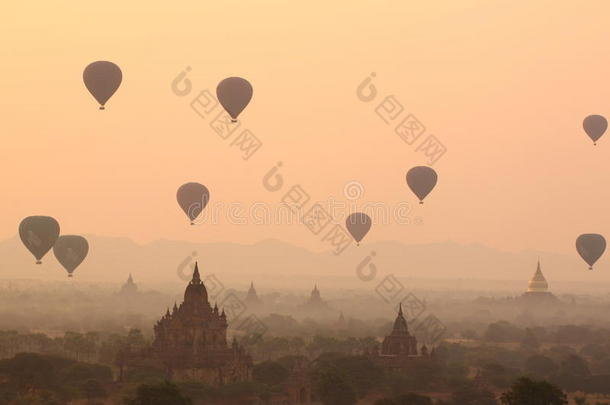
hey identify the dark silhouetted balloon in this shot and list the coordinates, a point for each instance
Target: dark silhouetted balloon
(590, 247)
(358, 224)
(421, 180)
(70, 251)
(193, 197)
(39, 234)
(595, 126)
(102, 79)
(234, 93)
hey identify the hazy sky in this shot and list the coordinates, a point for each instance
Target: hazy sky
(503, 85)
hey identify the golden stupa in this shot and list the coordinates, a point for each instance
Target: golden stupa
(538, 283)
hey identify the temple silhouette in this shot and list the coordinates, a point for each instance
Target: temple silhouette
(190, 342)
(399, 350)
(252, 298)
(538, 288)
(315, 303)
(129, 288)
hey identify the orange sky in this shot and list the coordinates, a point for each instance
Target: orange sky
(504, 86)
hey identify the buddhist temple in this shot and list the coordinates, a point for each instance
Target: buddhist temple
(190, 341)
(129, 288)
(538, 288)
(399, 350)
(315, 302)
(252, 298)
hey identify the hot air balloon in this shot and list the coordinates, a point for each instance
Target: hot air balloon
(421, 180)
(358, 225)
(590, 247)
(102, 79)
(39, 234)
(595, 126)
(234, 93)
(193, 197)
(70, 251)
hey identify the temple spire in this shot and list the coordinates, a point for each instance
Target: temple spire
(538, 276)
(400, 324)
(196, 278)
(538, 283)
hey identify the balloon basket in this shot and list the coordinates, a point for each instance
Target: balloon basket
(590, 267)
(69, 275)
(192, 223)
(102, 107)
(421, 202)
(38, 262)
(233, 120)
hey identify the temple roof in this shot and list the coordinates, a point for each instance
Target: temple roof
(129, 287)
(196, 293)
(538, 276)
(400, 324)
(196, 277)
(538, 283)
(252, 296)
(315, 295)
(252, 290)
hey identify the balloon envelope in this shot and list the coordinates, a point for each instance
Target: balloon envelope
(192, 198)
(102, 79)
(39, 234)
(590, 247)
(595, 126)
(70, 251)
(421, 180)
(358, 225)
(234, 93)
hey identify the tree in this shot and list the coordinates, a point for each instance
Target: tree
(470, 394)
(497, 375)
(572, 334)
(412, 399)
(90, 344)
(540, 366)
(503, 331)
(75, 342)
(164, 393)
(575, 366)
(93, 389)
(469, 334)
(359, 372)
(384, 401)
(135, 338)
(580, 400)
(270, 373)
(530, 341)
(332, 389)
(36, 398)
(525, 391)
(593, 350)
(27, 370)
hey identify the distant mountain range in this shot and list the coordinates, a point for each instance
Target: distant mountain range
(272, 262)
